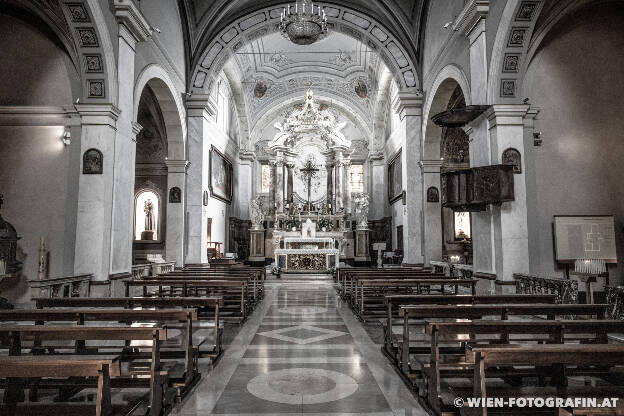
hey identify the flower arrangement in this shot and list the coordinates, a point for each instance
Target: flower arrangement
(325, 223)
(291, 222)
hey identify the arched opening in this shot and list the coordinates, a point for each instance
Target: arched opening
(150, 215)
(453, 230)
(37, 177)
(577, 169)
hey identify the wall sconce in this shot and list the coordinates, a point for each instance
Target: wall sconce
(537, 138)
(66, 138)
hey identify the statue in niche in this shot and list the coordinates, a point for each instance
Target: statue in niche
(512, 157)
(256, 213)
(148, 209)
(433, 195)
(362, 205)
(92, 162)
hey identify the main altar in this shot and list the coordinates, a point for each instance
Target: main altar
(308, 215)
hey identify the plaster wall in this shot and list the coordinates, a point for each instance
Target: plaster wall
(578, 169)
(34, 179)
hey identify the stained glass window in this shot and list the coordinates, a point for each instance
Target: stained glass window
(357, 178)
(266, 179)
(462, 226)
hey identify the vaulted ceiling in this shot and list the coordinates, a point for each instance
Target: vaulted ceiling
(205, 19)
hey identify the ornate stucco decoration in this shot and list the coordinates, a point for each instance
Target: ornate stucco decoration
(310, 119)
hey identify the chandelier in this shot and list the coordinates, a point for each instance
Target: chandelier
(303, 24)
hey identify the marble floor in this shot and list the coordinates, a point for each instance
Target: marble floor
(302, 352)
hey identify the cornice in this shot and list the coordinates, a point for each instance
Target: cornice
(128, 14)
(472, 14)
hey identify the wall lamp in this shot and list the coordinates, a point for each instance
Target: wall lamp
(66, 138)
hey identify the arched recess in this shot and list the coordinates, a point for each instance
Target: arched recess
(154, 79)
(216, 51)
(170, 101)
(450, 89)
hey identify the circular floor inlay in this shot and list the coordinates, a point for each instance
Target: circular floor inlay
(303, 310)
(302, 385)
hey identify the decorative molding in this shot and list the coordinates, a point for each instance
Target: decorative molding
(506, 114)
(129, 15)
(98, 114)
(407, 104)
(36, 116)
(472, 14)
(177, 166)
(201, 105)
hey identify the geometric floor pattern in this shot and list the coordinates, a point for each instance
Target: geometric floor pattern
(301, 352)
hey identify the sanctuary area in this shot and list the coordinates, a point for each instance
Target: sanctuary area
(341, 207)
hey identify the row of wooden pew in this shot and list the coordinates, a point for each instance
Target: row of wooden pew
(150, 345)
(450, 346)
(365, 288)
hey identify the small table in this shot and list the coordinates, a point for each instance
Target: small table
(588, 279)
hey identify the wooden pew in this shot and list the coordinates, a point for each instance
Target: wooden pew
(187, 351)
(596, 355)
(214, 303)
(354, 283)
(254, 280)
(348, 276)
(51, 366)
(392, 302)
(16, 336)
(439, 366)
(234, 308)
(388, 286)
(502, 311)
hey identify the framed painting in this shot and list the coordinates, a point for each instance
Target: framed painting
(221, 173)
(395, 178)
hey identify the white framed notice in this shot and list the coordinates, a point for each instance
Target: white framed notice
(584, 237)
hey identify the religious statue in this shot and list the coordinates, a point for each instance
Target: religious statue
(362, 204)
(148, 209)
(256, 213)
(308, 229)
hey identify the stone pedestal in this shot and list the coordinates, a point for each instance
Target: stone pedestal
(256, 246)
(362, 252)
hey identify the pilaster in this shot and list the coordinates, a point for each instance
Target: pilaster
(432, 211)
(174, 244)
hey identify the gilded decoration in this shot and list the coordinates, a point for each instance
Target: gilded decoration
(307, 262)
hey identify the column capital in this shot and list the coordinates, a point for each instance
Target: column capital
(177, 166)
(246, 155)
(376, 156)
(133, 26)
(506, 114)
(471, 18)
(408, 104)
(98, 114)
(431, 166)
(200, 105)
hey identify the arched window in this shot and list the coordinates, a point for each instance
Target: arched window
(147, 216)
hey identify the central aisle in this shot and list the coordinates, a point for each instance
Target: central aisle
(302, 352)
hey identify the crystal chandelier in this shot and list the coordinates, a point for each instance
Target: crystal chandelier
(304, 23)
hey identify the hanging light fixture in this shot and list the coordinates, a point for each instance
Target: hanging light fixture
(304, 23)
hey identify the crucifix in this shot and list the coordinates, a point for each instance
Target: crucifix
(309, 171)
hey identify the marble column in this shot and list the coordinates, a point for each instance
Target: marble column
(471, 23)
(279, 185)
(506, 125)
(289, 183)
(133, 28)
(339, 167)
(174, 244)
(432, 211)
(244, 189)
(409, 108)
(95, 202)
(329, 167)
(201, 122)
(272, 182)
(347, 186)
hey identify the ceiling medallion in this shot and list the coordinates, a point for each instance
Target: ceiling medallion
(260, 89)
(304, 24)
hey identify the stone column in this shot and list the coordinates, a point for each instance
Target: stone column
(432, 211)
(133, 28)
(95, 204)
(279, 185)
(378, 186)
(174, 244)
(471, 23)
(339, 167)
(329, 167)
(347, 185)
(511, 236)
(272, 190)
(409, 108)
(200, 121)
(289, 183)
(245, 190)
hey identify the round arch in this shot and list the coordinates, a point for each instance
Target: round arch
(217, 50)
(441, 90)
(170, 103)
